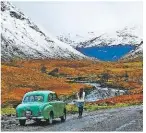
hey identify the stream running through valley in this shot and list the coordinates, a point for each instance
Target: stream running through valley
(100, 92)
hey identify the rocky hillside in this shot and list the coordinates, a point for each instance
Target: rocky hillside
(21, 38)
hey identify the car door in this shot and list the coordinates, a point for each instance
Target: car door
(52, 102)
(59, 105)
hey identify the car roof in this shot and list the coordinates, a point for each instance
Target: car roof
(45, 92)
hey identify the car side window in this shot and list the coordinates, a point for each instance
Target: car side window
(50, 97)
(54, 97)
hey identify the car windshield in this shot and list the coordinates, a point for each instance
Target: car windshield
(33, 98)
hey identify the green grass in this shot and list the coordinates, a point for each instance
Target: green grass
(104, 106)
(7, 111)
(93, 107)
(72, 109)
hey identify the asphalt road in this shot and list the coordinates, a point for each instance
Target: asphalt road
(120, 119)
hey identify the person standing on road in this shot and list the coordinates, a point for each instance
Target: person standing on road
(80, 101)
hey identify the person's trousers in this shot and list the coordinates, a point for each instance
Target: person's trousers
(80, 108)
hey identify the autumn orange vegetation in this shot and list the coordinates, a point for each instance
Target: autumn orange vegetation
(21, 76)
(128, 99)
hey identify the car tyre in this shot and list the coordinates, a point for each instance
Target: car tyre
(22, 122)
(63, 118)
(50, 120)
(38, 121)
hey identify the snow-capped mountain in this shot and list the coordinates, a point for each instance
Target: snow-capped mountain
(74, 39)
(128, 35)
(107, 46)
(137, 53)
(21, 38)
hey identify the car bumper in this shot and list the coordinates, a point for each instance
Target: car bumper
(32, 118)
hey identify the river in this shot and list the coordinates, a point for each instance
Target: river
(100, 92)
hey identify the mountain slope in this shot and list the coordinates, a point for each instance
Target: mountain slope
(137, 53)
(21, 38)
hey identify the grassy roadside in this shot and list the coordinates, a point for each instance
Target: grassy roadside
(8, 111)
(93, 107)
(72, 109)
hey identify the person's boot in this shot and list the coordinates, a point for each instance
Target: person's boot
(80, 112)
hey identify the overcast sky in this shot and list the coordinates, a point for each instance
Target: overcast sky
(76, 17)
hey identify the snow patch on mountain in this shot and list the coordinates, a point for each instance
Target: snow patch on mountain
(21, 38)
(127, 35)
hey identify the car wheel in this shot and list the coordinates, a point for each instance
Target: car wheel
(63, 118)
(22, 122)
(50, 120)
(38, 121)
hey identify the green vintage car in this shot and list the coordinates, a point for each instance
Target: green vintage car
(40, 105)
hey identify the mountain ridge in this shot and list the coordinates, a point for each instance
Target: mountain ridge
(127, 35)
